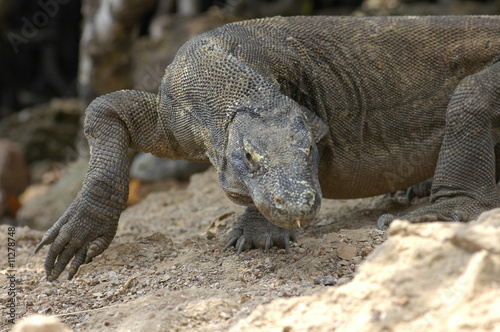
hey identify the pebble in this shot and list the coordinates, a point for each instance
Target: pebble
(357, 259)
(346, 251)
(325, 280)
(343, 281)
(344, 263)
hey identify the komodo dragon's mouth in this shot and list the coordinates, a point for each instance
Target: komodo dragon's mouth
(284, 219)
(287, 219)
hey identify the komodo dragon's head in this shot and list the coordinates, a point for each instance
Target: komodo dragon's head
(272, 162)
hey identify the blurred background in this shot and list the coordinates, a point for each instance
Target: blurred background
(58, 55)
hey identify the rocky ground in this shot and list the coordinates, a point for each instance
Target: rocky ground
(165, 271)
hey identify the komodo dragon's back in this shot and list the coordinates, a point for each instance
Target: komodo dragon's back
(382, 85)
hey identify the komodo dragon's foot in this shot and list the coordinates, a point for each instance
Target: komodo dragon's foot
(77, 235)
(253, 230)
(455, 210)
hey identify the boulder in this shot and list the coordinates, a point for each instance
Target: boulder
(426, 277)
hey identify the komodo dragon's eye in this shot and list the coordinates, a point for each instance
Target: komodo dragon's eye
(251, 159)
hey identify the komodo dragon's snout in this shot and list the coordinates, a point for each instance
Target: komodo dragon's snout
(274, 159)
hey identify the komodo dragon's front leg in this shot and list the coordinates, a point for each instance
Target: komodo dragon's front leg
(113, 123)
(464, 183)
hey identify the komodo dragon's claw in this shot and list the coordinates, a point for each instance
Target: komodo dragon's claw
(422, 189)
(384, 221)
(233, 240)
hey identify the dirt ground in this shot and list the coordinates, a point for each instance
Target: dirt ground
(165, 271)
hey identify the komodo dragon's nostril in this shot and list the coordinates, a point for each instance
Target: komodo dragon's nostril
(310, 198)
(278, 202)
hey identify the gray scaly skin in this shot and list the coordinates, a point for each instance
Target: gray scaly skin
(290, 110)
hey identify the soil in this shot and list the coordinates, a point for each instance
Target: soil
(165, 270)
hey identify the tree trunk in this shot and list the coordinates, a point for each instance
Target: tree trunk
(109, 29)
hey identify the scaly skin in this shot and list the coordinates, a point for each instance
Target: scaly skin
(290, 110)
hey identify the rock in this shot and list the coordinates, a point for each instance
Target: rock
(325, 280)
(47, 131)
(425, 277)
(43, 211)
(346, 251)
(13, 177)
(146, 167)
(485, 235)
(40, 323)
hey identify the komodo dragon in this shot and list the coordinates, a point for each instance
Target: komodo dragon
(290, 110)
